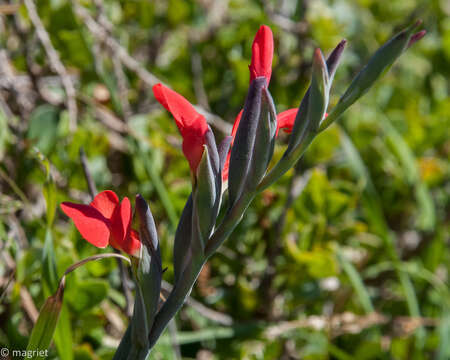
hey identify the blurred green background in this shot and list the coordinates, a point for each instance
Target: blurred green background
(347, 257)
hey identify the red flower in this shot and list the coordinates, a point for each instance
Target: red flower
(226, 166)
(262, 54)
(191, 124)
(105, 221)
(286, 119)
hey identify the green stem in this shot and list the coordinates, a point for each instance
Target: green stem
(184, 285)
(232, 219)
(175, 300)
(286, 163)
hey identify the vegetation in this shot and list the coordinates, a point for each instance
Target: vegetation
(346, 256)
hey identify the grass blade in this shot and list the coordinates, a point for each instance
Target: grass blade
(357, 282)
(427, 216)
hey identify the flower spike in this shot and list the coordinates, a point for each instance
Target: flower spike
(191, 124)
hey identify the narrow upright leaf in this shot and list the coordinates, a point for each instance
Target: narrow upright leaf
(45, 326)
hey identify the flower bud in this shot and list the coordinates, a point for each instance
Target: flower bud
(262, 54)
(301, 124)
(264, 141)
(242, 150)
(319, 95)
(148, 275)
(205, 196)
(382, 60)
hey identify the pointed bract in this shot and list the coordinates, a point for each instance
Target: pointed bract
(205, 196)
(300, 126)
(182, 240)
(334, 58)
(241, 152)
(319, 95)
(416, 37)
(148, 275)
(264, 141)
(146, 219)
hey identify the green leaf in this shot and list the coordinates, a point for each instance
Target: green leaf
(427, 216)
(4, 134)
(45, 326)
(357, 282)
(49, 263)
(43, 128)
(63, 335)
(49, 190)
(444, 336)
(87, 294)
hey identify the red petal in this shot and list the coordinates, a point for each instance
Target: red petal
(132, 243)
(193, 149)
(226, 166)
(106, 202)
(120, 223)
(91, 224)
(236, 125)
(262, 54)
(286, 119)
(191, 124)
(182, 110)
